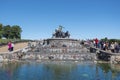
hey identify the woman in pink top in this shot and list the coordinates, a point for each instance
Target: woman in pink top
(9, 46)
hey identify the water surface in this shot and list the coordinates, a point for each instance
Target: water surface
(58, 70)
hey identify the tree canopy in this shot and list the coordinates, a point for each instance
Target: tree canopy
(10, 32)
(1, 26)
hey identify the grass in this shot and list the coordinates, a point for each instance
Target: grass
(5, 41)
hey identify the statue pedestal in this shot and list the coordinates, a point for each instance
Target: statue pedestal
(63, 42)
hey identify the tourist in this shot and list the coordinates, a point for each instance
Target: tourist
(116, 47)
(9, 46)
(119, 47)
(96, 43)
(107, 45)
(112, 47)
(12, 46)
(101, 44)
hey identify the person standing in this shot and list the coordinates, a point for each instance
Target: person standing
(12, 46)
(9, 46)
(96, 43)
(112, 47)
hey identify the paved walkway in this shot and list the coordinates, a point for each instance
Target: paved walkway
(16, 47)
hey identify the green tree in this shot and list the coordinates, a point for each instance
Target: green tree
(1, 27)
(7, 31)
(16, 32)
(10, 32)
(105, 39)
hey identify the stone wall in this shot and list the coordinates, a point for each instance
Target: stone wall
(115, 59)
(49, 56)
(106, 55)
(55, 56)
(37, 51)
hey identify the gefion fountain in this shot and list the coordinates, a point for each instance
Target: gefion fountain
(59, 47)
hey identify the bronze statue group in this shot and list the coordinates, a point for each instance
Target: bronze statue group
(60, 34)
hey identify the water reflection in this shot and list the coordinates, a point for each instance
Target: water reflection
(59, 71)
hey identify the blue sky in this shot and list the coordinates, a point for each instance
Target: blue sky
(84, 19)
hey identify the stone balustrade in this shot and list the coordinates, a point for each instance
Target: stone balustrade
(106, 55)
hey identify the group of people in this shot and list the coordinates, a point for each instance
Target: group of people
(113, 46)
(10, 46)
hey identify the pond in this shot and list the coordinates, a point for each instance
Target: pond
(59, 70)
